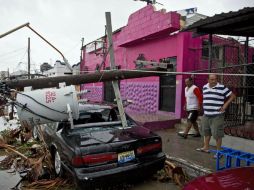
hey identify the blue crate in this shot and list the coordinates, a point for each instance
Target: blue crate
(233, 156)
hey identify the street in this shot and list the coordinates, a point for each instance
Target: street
(8, 180)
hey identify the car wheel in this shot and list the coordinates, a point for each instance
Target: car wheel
(57, 164)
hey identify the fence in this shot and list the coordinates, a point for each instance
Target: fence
(231, 59)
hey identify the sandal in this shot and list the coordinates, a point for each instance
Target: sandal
(202, 150)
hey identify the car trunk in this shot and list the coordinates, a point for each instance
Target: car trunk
(117, 147)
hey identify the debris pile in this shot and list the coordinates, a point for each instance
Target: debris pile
(56, 183)
(172, 172)
(32, 160)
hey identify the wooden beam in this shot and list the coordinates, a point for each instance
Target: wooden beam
(112, 66)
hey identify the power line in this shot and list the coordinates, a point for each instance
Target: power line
(177, 73)
(72, 48)
(21, 60)
(10, 52)
(188, 73)
(14, 59)
(8, 59)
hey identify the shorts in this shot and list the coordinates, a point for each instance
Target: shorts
(213, 126)
(192, 116)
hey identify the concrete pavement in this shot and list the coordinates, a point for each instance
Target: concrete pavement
(176, 146)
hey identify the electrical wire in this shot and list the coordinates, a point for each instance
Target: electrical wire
(32, 112)
(12, 58)
(11, 52)
(187, 73)
(72, 48)
(21, 60)
(179, 73)
(62, 112)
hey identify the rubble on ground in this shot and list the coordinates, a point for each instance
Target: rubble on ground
(30, 158)
(173, 173)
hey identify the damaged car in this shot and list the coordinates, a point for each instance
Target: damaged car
(97, 150)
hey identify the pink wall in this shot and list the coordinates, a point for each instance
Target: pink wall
(149, 32)
(147, 23)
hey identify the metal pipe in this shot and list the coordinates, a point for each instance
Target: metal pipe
(28, 59)
(13, 30)
(46, 41)
(27, 24)
(245, 92)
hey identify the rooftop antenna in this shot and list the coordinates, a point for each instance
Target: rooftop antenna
(153, 2)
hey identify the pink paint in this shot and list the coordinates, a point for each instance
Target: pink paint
(50, 96)
(149, 32)
(148, 23)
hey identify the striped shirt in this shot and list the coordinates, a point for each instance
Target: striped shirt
(214, 98)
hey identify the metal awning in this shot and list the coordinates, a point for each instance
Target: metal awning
(238, 23)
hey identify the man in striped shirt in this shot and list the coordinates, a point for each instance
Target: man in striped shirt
(216, 99)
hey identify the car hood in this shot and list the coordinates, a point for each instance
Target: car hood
(231, 179)
(113, 135)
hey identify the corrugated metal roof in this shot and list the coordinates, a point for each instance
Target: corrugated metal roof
(238, 23)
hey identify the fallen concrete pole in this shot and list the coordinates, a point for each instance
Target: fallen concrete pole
(102, 76)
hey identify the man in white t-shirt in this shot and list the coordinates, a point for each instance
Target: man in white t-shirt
(193, 104)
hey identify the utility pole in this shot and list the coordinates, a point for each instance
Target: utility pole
(28, 59)
(102, 76)
(82, 44)
(113, 67)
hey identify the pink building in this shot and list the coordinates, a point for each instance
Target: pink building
(153, 36)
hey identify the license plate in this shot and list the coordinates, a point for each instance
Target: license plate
(126, 156)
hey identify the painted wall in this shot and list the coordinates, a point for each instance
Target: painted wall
(155, 35)
(147, 32)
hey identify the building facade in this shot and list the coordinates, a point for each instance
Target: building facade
(59, 69)
(152, 35)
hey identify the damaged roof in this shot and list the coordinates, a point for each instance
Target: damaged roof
(238, 23)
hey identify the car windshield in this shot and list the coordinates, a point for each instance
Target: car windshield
(98, 120)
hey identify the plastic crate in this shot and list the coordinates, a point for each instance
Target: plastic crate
(232, 158)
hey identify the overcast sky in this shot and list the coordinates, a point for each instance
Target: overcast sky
(65, 22)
